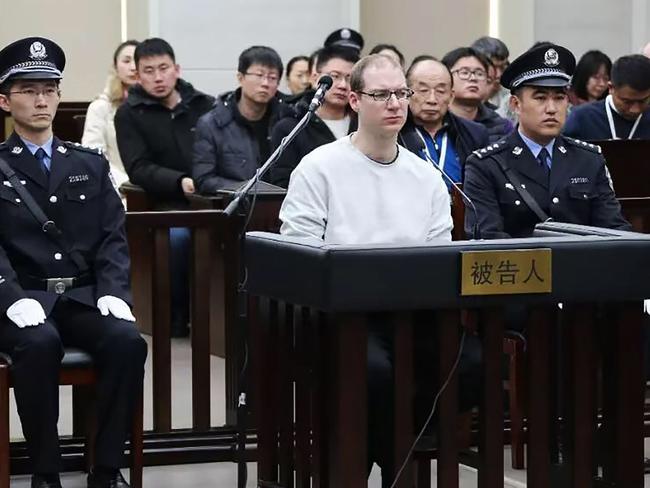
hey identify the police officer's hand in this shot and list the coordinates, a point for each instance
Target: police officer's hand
(187, 184)
(26, 312)
(117, 307)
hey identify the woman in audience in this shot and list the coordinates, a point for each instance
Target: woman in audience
(390, 51)
(99, 131)
(590, 79)
(298, 74)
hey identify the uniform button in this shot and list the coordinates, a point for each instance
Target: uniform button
(585, 195)
(556, 200)
(53, 199)
(58, 256)
(517, 202)
(82, 197)
(17, 200)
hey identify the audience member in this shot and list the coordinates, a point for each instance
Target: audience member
(646, 50)
(625, 112)
(430, 127)
(313, 58)
(298, 74)
(332, 120)
(155, 132)
(497, 52)
(233, 139)
(389, 50)
(99, 129)
(469, 69)
(345, 37)
(566, 178)
(591, 78)
(69, 290)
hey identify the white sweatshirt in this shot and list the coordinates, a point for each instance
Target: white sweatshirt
(339, 195)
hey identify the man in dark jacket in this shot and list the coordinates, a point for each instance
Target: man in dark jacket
(155, 133)
(469, 69)
(332, 120)
(155, 126)
(233, 139)
(431, 128)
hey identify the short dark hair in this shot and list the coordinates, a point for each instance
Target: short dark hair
(491, 47)
(588, 66)
(118, 50)
(264, 55)
(452, 57)
(336, 52)
(356, 77)
(390, 47)
(293, 61)
(425, 57)
(633, 71)
(154, 46)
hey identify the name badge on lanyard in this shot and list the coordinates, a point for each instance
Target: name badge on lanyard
(443, 149)
(610, 119)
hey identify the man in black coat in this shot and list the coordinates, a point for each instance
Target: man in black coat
(155, 134)
(233, 139)
(332, 120)
(431, 128)
(66, 291)
(567, 178)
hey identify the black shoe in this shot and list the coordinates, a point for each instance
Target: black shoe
(46, 481)
(103, 479)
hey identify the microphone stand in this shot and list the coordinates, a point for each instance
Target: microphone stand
(234, 206)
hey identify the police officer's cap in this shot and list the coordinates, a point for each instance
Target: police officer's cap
(345, 38)
(34, 58)
(543, 65)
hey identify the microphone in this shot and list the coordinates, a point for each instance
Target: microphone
(419, 144)
(324, 83)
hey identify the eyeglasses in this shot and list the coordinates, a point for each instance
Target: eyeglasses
(384, 95)
(336, 77)
(272, 79)
(466, 73)
(49, 92)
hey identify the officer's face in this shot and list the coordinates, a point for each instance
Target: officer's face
(629, 102)
(340, 70)
(381, 118)
(431, 82)
(158, 75)
(32, 104)
(541, 110)
(259, 83)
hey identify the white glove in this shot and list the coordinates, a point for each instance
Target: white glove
(646, 306)
(116, 306)
(26, 312)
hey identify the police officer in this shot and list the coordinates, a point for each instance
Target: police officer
(62, 290)
(536, 173)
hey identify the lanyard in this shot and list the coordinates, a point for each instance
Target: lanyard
(443, 149)
(610, 119)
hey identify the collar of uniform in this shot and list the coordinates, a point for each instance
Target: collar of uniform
(534, 147)
(47, 147)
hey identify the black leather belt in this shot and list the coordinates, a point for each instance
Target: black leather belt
(56, 285)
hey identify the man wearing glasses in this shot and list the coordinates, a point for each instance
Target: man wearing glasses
(366, 189)
(333, 119)
(233, 139)
(469, 69)
(67, 289)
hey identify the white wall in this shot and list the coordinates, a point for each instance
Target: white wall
(208, 35)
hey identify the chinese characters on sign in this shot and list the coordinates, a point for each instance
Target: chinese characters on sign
(506, 272)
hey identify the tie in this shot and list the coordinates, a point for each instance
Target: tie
(544, 160)
(42, 158)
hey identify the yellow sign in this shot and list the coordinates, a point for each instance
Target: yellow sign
(506, 272)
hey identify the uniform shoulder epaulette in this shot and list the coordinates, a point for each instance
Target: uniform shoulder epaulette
(583, 145)
(80, 147)
(491, 149)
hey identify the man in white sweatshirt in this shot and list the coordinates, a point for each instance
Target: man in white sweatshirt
(366, 189)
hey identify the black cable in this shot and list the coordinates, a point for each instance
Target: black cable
(433, 409)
